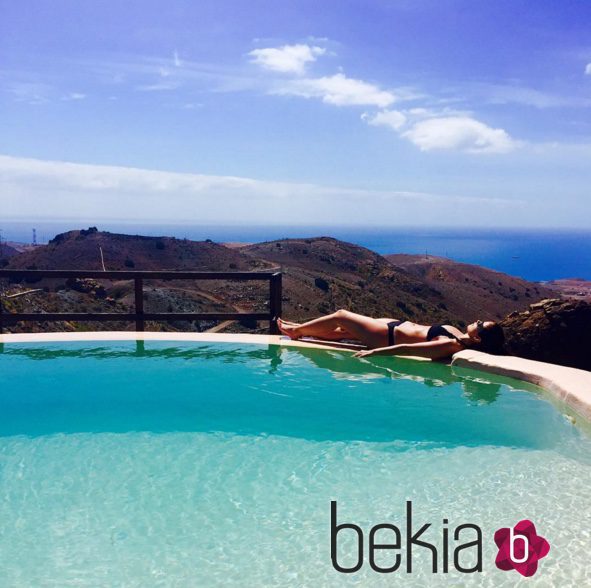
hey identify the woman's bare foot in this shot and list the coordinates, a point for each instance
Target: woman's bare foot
(289, 329)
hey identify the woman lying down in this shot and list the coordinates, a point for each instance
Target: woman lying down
(387, 336)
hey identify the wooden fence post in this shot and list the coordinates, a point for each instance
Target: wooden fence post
(275, 295)
(139, 304)
(2, 310)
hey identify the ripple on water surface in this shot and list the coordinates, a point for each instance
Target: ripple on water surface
(215, 465)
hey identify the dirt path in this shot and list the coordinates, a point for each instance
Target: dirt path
(213, 298)
(208, 296)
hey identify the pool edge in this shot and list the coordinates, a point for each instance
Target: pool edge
(569, 385)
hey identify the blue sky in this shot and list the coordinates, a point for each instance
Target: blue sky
(409, 112)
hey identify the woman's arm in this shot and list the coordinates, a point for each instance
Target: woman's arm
(431, 349)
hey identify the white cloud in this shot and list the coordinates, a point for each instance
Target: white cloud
(422, 113)
(31, 188)
(444, 129)
(515, 94)
(459, 133)
(30, 92)
(286, 59)
(588, 69)
(393, 119)
(338, 90)
(74, 96)
(163, 86)
(176, 59)
(159, 74)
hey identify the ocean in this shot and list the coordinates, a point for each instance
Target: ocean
(532, 254)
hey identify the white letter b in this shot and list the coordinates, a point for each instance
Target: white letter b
(512, 539)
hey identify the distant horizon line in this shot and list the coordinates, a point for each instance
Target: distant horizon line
(84, 223)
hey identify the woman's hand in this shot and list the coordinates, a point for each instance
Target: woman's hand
(365, 353)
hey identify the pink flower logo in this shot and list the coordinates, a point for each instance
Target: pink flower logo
(520, 548)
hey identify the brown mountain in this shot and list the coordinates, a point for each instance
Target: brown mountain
(471, 290)
(321, 275)
(82, 250)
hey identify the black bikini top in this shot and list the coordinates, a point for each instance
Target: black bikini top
(439, 331)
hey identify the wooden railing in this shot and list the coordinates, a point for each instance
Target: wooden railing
(139, 316)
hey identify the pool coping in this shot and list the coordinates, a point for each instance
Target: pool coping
(570, 385)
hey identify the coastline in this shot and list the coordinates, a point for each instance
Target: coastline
(537, 255)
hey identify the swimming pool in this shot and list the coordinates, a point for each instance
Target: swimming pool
(168, 463)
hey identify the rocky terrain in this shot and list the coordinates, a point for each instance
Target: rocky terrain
(553, 330)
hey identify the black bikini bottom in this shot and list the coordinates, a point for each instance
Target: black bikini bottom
(391, 335)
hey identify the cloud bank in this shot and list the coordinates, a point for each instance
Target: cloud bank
(36, 189)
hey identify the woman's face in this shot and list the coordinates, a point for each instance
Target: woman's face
(473, 329)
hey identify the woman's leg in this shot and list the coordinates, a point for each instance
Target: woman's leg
(371, 332)
(321, 327)
(337, 335)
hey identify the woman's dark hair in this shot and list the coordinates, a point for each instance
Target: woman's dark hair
(492, 339)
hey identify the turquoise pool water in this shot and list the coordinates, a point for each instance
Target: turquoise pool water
(191, 464)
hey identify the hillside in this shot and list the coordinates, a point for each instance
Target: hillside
(82, 250)
(8, 250)
(321, 274)
(471, 290)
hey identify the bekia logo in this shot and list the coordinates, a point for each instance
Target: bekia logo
(390, 547)
(520, 548)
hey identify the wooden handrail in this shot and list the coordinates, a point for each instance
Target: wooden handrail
(139, 316)
(132, 274)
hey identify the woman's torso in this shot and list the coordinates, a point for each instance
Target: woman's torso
(409, 332)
